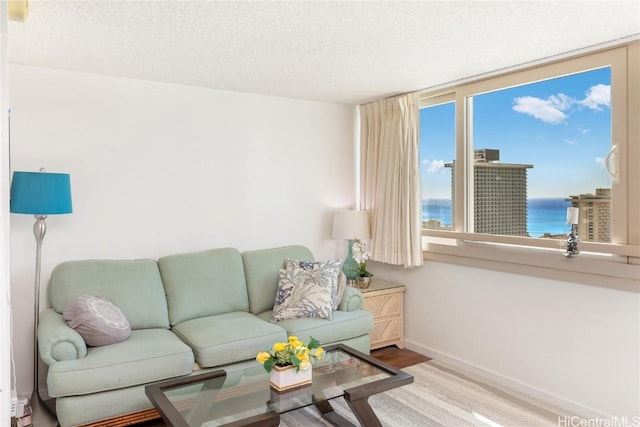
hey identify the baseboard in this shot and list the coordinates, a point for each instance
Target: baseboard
(518, 386)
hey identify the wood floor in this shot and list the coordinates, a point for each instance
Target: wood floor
(398, 358)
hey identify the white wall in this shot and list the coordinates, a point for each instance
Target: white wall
(574, 344)
(158, 169)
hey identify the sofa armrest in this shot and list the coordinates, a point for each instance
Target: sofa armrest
(351, 300)
(56, 340)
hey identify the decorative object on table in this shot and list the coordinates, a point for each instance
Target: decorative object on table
(350, 225)
(289, 364)
(573, 214)
(360, 255)
(287, 377)
(39, 194)
(363, 282)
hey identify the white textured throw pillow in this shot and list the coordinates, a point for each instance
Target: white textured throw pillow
(97, 320)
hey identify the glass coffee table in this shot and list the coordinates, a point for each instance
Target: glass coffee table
(242, 397)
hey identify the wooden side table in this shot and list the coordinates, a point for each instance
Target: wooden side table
(385, 302)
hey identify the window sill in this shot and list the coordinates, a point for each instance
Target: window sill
(610, 271)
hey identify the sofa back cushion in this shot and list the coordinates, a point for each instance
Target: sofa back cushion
(206, 283)
(261, 270)
(133, 286)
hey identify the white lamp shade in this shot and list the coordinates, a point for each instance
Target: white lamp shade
(572, 215)
(350, 224)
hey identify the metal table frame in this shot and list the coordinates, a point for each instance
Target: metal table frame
(356, 397)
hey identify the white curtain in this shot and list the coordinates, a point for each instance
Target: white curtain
(390, 178)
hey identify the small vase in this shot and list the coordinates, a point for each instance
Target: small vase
(350, 266)
(288, 377)
(363, 281)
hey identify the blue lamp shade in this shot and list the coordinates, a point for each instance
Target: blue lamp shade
(41, 193)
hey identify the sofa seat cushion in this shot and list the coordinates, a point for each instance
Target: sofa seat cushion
(345, 325)
(228, 338)
(148, 355)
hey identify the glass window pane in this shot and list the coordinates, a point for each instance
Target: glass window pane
(437, 152)
(540, 148)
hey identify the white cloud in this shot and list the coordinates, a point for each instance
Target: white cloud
(600, 162)
(433, 166)
(598, 95)
(548, 110)
(554, 109)
(583, 131)
(571, 141)
(561, 101)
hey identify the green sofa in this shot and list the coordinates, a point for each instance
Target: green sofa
(189, 313)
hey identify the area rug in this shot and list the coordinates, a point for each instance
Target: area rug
(441, 396)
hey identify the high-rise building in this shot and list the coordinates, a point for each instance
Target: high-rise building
(594, 223)
(500, 194)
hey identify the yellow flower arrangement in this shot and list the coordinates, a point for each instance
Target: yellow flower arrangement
(294, 352)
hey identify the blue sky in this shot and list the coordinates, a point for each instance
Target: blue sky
(562, 127)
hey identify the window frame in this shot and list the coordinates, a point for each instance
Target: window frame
(620, 262)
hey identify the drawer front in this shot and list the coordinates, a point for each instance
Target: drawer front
(384, 330)
(383, 305)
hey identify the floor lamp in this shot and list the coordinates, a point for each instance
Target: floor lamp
(39, 194)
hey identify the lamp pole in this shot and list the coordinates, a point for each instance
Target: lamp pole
(39, 230)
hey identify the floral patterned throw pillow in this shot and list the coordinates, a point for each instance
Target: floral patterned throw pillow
(342, 284)
(317, 267)
(306, 289)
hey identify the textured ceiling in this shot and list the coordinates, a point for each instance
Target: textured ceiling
(342, 51)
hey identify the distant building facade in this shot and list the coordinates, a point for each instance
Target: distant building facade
(500, 194)
(595, 215)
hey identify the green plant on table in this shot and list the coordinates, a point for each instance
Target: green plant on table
(361, 256)
(292, 353)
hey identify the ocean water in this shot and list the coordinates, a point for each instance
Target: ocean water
(544, 215)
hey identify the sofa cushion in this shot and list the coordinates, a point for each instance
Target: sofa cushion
(345, 325)
(261, 272)
(201, 284)
(133, 286)
(148, 355)
(228, 338)
(97, 320)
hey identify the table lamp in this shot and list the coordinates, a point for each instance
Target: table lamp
(350, 225)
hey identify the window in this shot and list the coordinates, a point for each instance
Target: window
(437, 146)
(503, 158)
